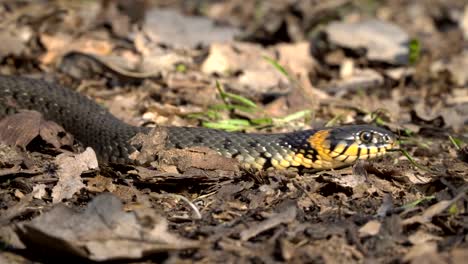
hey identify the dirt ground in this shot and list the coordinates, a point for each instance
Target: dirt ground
(253, 66)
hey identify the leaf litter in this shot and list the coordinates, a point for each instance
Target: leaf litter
(192, 205)
(103, 231)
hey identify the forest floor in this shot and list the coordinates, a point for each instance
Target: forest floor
(252, 66)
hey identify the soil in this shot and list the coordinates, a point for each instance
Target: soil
(177, 63)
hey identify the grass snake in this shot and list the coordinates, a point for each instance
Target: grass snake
(94, 126)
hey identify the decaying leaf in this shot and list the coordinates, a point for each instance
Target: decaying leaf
(100, 184)
(153, 66)
(16, 210)
(21, 128)
(257, 77)
(60, 44)
(172, 28)
(383, 41)
(371, 228)
(14, 40)
(284, 217)
(10, 156)
(423, 237)
(422, 251)
(39, 191)
(70, 168)
(102, 232)
(433, 210)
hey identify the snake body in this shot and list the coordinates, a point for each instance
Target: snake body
(110, 137)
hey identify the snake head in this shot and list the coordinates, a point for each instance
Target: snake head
(344, 145)
(364, 136)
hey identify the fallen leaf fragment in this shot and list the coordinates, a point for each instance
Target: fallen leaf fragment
(366, 79)
(456, 66)
(257, 76)
(39, 191)
(287, 216)
(10, 156)
(173, 28)
(371, 228)
(102, 232)
(152, 143)
(459, 255)
(60, 44)
(9, 237)
(21, 128)
(14, 40)
(422, 237)
(100, 184)
(421, 251)
(383, 41)
(386, 206)
(70, 168)
(433, 210)
(197, 157)
(16, 210)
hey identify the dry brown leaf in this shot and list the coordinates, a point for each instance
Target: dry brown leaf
(286, 216)
(423, 237)
(16, 210)
(421, 251)
(152, 144)
(433, 210)
(154, 58)
(456, 66)
(14, 40)
(371, 228)
(21, 128)
(102, 232)
(361, 79)
(296, 58)
(101, 184)
(438, 116)
(70, 168)
(257, 76)
(386, 206)
(10, 156)
(197, 157)
(9, 237)
(39, 191)
(459, 254)
(232, 57)
(59, 44)
(172, 28)
(383, 41)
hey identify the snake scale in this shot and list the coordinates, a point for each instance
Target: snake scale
(94, 126)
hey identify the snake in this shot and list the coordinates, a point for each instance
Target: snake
(94, 126)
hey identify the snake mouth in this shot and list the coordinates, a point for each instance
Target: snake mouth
(395, 147)
(350, 153)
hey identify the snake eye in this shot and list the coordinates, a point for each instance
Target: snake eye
(366, 137)
(386, 138)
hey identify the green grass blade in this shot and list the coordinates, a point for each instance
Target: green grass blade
(414, 51)
(240, 99)
(277, 66)
(229, 125)
(456, 142)
(221, 92)
(226, 96)
(264, 121)
(292, 117)
(411, 159)
(415, 203)
(334, 121)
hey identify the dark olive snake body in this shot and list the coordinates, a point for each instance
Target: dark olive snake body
(110, 137)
